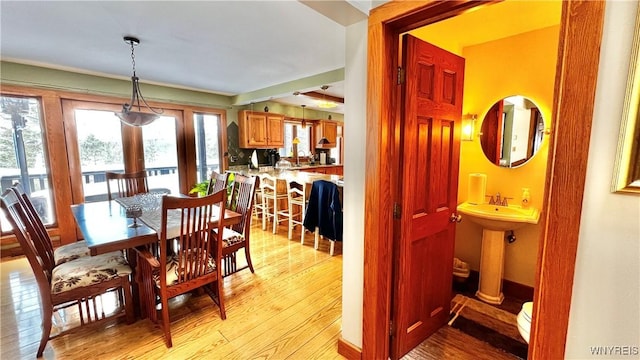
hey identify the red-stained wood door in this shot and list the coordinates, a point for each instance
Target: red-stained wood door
(429, 163)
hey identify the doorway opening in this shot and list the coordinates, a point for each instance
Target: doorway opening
(580, 36)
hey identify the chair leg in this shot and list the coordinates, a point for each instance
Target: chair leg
(128, 300)
(165, 322)
(223, 313)
(316, 238)
(264, 214)
(46, 329)
(290, 222)
(333, 243)
(247, 255)
(275, 216)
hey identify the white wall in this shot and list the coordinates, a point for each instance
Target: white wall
(605, 307)
(354, 161)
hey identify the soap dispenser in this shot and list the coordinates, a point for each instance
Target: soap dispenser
(526, 198)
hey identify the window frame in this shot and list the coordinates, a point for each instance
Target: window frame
(54, 128)
(309, 127)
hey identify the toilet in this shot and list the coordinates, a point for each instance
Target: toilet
(524, 320)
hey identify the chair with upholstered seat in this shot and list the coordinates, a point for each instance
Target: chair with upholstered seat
(191, 260)
(297, 201)
(127, 184)
(77, 283)
(271, 198)
(217, 182)
(236, 236)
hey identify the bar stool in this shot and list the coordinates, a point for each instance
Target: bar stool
(270, 198)
(297, 201)
(258, 209)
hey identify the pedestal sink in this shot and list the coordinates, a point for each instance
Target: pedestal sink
(495, 220)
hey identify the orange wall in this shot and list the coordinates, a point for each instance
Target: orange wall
(525, 65)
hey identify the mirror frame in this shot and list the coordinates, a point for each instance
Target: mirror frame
(626, 176)
(544, 131)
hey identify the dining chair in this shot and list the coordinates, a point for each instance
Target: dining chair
(62, 253)
(217, 182)
(80, 283)
(297, 203)
(272, 195)
(237, 236)
(127, 184)
(190, 260)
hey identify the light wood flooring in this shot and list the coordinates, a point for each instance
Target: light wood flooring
(289, 309)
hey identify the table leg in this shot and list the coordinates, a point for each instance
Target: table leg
(138, 302)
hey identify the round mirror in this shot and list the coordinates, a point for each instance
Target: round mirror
(512, 131)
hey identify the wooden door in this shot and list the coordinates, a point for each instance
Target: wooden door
(328, 130)
(275, 127)
(429, 161)
(491, 139)
(252, 128)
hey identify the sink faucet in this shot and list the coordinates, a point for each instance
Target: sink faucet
(498, 200)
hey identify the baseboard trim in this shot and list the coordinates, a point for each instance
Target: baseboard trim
(516, 290)
(348, 350)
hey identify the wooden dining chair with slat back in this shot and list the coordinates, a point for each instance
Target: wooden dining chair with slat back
(236, 236)
(62, 253)
(126, 184)
(217, 182)
(191, 260)
(77, 283)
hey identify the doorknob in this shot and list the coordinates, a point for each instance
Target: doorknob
(455, 218)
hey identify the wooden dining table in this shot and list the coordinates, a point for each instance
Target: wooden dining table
(106, 228)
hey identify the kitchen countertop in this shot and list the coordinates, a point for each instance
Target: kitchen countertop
(293, 173)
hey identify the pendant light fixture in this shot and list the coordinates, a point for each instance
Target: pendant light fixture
(304, 123)
(128, 116)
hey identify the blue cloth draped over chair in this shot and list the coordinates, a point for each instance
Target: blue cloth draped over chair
(324, 210)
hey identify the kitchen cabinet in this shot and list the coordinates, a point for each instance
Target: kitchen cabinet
(328, 130)
(260, 130)
(326, 169)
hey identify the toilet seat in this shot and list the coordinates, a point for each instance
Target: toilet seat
(524, 320)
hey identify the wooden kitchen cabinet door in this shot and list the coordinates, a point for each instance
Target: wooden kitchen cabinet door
(328, 130)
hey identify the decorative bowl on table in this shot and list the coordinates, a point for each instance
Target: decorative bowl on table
(134, 212)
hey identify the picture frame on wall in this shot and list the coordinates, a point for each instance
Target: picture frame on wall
(626, 177)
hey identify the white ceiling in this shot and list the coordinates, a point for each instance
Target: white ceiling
(224, 47)
(252, 49)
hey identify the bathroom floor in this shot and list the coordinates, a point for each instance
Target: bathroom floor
(476, 330)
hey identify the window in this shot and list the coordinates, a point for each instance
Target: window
(291, 131)
(161, 154)
(22, 156)
(207, 137)
(100, 148)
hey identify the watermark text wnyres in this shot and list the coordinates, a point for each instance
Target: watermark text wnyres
(615, 350)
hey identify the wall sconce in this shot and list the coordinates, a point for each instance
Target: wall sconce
(468, 126)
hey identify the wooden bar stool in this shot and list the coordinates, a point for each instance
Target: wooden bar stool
(271, 196)
(297, 201)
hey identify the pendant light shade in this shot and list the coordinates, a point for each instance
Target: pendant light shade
(128, 115)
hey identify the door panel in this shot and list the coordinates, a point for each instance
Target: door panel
(430, 150)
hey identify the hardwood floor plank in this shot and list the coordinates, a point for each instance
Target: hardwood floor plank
(289, 309)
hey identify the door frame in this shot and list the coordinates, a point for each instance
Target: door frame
(575, 84)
